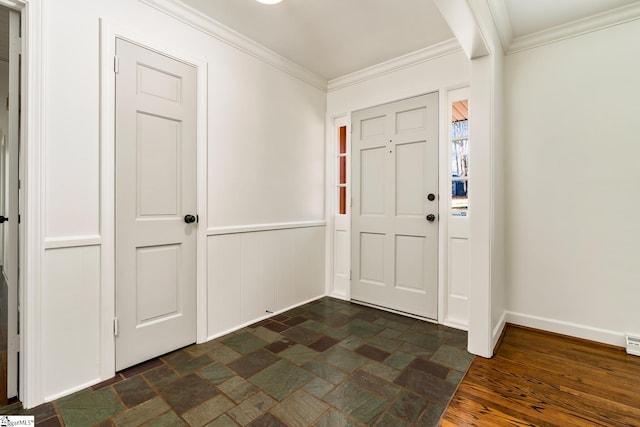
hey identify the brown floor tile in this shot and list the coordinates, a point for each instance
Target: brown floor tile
(280, 317)
(51, 422)
(372, 353)
(323, 344)
(253, 363)
(260, 323)
(430, 367)
(276, 326)
(278, 346)
(142, 367)
(187, 392)
(295, 321)
(134, 391)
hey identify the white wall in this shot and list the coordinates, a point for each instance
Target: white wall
(265, 167)
(572, 185)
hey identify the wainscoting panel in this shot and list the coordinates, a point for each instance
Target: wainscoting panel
(251, 275)
(70, 318)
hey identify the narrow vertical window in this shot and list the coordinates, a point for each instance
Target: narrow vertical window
(342, 170)
(459, 157)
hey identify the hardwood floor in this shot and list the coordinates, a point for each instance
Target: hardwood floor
(542, 379)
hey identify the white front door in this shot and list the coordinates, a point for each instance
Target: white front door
(395, 190)
(155, 194)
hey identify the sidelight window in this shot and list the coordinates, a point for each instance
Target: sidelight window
(341, 159)
(459, 137)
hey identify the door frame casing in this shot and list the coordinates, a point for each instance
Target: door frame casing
(109, 32)
(32, 140)
(443, 188)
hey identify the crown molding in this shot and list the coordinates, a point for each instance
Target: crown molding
(597, 22)
(432, 52)
(503, 24)
(210, 26)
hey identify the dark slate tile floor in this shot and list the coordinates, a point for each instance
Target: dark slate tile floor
(328, 363)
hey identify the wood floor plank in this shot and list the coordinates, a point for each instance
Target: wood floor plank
(621, 398)
(543, 379)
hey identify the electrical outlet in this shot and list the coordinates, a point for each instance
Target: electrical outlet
(633, 344)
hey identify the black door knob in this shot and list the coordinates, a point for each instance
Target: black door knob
(431, 197)
(3, 219)
(431, 217)
(190, 218)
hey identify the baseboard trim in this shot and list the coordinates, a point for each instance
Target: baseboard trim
(339, 296)
(576, 330)
(456, 325)
(72, 390)
(498, 331)
(251, 322)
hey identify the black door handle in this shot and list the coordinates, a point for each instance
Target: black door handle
(431, 217)
(190, 219)
(3, 219)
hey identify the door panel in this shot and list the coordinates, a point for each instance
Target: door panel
(372, 189)
(409, 182)
(395, 167)
(158, 165)
(155, 189)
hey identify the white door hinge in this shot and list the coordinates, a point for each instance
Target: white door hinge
(116, 64)
(349, 274)
(115, 326)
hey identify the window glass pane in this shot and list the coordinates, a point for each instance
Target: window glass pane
(459, 158)
(342, 138)
(342, 200)
(343, 170)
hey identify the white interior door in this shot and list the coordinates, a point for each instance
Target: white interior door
(155, 195)
(395, 189)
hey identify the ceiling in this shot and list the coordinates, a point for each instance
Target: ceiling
(527, 16)
(333, 38)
